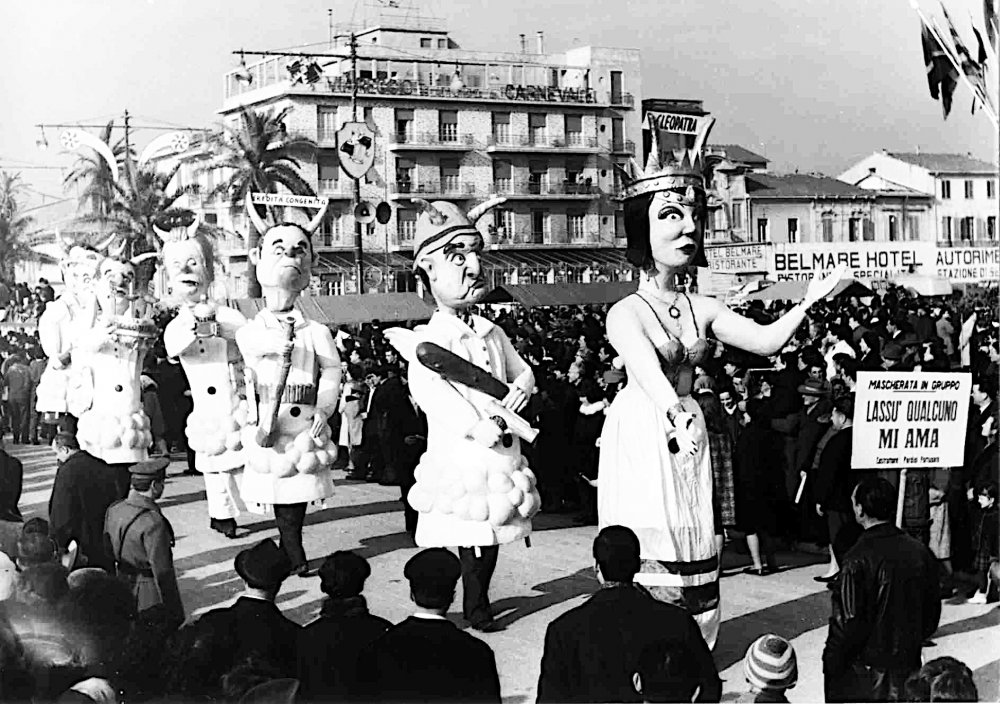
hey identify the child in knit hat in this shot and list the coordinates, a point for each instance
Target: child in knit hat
(770, 667)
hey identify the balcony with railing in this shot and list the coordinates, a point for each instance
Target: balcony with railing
(442, 140)
(445, 189)
(623, 100)
(622, 146)
(574, 142)
(546, 189)
(335, 188)
(959, 242)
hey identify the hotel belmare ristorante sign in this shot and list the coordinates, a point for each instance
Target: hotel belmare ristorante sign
(868, 261)
(910, 419)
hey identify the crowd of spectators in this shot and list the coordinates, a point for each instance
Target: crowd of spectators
(780, 433)
(21, 304)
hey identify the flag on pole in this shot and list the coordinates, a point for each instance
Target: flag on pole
(942, 76)
(990, 17)
(972, 69)
(964, 338)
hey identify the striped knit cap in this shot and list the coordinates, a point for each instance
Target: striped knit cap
(770, 663)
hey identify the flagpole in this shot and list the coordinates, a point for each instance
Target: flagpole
(932, 27)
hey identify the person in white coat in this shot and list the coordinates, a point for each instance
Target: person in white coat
(473, 489)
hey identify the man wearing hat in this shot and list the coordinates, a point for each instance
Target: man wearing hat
(11, 482)
(426, 657)
(457, 505)
(141, 540)
(254, 622)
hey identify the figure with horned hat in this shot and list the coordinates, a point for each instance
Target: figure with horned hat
(293, 386)
(105, 391)
(62, 325)
(654, 474)
(473, 490)
(203, 337)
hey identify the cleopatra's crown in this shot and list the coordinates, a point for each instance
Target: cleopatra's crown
(668, 170)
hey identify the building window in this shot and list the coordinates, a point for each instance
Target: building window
(326, 124)
(576, 226)
(539, 226)
(968, 189)
(616, 87)
(404, 126)
(503, 221)
(329, 172)
(946, 189)
(211, 218)
(451, 172)
(406, 220)
(737, 216)
(448, 126)
(965, 230)
(537, 131)
(619, 224)
(501, 127)
(330, 229)
(793, 230)
(868, 230)
(425, 42)
(827, 225)
(538, 177)
(913, 227)
(502, 170)
(946, 228)
(405, 169)
(442, 43)
(893, 228)
(617, 134)
(991, 228)
(574, 130)
(991, 189)
(762, 230)
(853, 228)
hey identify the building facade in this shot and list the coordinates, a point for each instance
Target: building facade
(542, 129)
(963, 191)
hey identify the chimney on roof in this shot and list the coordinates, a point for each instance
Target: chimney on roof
(541, 41)
(871, 170)
(524, 44)
(884, 150)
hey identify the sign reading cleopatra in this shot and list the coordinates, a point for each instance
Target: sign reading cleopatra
(864, 260)
(673, 122)
(738, 258)
(536, 94)
(910, 419)
(962, 265)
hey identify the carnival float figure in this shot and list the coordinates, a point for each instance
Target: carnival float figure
(654, 473)
(473, 489)
(105, 390)
(293, 385)
(63, 324)
(203, 337)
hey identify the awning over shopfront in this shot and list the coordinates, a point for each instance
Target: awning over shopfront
(925, 285)
(532, 295)
(555, 258)
(796, 290)
(352, 309)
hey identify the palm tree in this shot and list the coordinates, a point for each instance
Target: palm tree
(92, 174)
(14, 235)
(259, 152)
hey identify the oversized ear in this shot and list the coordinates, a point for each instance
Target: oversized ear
(254, 255)
(427, 264)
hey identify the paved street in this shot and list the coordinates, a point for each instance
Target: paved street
(531, 586)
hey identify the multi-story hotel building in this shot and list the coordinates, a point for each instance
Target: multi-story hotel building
(543, 129)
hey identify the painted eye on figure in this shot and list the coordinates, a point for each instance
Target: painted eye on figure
(671, 213)
(456, 258)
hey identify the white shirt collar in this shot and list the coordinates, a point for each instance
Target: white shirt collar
(429, 617)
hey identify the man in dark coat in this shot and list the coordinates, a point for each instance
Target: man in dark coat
(11, 521)
(592, 651)
(83, 490)
(885, 604)
(834, 480)
(413, 429)
(392, 401)
(329, 646)
(257, 625)
(426, 657)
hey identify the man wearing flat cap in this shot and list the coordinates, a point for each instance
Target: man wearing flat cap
(473, 489)
(255, 623)
(141, 539)
(426, 657)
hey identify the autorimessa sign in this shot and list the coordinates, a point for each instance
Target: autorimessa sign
(910, 419)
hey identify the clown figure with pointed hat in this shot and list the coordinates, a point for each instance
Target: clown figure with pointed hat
(203, 338)
(293, 386)
(655, 474)
(473, 490)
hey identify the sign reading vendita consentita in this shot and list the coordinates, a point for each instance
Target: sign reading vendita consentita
(910, 419)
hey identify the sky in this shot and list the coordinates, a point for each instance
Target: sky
(813, 85)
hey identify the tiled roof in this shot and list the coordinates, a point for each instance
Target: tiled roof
(801, 186)
(740, 155)
(946, 163)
